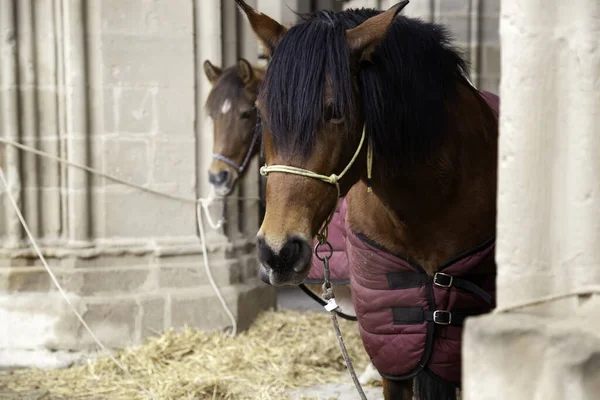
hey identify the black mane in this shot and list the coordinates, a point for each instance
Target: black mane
(404, 90)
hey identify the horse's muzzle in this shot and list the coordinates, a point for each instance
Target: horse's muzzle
(287, 266)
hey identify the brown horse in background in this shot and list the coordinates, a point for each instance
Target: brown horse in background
(230, 105)
(430, 160)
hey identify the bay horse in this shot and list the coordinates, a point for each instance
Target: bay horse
(230, 104)
(385, 99)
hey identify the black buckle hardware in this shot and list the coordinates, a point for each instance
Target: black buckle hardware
(442, 317)
(443, 280)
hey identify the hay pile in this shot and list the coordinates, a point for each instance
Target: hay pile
(281, 351)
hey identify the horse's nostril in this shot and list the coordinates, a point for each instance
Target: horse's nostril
(291, 250)
(219, 178)
(294, 255)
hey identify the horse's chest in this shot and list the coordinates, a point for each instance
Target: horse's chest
(410, 321)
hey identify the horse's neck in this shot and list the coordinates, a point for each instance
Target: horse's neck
(441, 208)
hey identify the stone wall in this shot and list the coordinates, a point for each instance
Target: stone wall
(116, 85)
(473, 24)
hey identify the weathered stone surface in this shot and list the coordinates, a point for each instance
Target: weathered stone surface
(523, 356)
(165, 165)
(224, 273)
(112, 319)
(127, 159)
(91, 281)
(24, 279)
(152, 310)
(153, 18)
(245, 301)
(138, 214)
(188, 308)
(176, 100)
(256, 298)
(136, 60)
(36, 322)
(491, 61)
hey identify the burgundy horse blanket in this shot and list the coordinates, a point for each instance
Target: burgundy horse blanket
(411, 322)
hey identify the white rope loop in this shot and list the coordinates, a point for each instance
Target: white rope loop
(202, 208)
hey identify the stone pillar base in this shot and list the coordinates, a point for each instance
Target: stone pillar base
(124, 299)
(521, 356)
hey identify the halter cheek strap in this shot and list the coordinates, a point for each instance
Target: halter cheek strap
(239, 168)
(333, 179)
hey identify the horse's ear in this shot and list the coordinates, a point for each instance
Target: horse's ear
(268, 31)
(365, 38)
(212, 72)
(245, 71)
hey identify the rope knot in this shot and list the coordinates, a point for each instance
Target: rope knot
(327, 293)
(263, 171)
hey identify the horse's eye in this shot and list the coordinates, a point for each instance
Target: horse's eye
(245, 115)
(332, 117)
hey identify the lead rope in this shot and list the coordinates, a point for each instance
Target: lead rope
(328, 293)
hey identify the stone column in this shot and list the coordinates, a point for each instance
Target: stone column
(9, 118)
(77, 124)
(548, 211)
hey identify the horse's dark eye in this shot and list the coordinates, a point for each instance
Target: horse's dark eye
(245, 115)
(332, 116)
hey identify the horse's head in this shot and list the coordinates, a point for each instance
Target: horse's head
(312, 119)
(231, 106)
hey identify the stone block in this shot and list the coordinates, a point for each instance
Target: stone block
(458, 26)
(224, 273)
(132, 213)
(491, 8)
(491, 61)
(201, 309)
(48, 121)
(259, 297)
(3, 213)
(490, 30)
(127, 159)
(148, 61)
(152, 316)
(24, 279)
(523, 356)
(176, 110)
(460, 7)
(110, 261)
(174, 158)
(90, 281)
(50, 216)
(137, 111)
(158, 17)
(38, 321)
(113, 320)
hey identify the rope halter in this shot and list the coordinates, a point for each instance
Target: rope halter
(332, 179)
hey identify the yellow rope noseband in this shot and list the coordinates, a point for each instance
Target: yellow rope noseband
(332, 179)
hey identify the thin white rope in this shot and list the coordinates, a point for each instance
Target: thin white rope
(60, 289)
(94, 171)
(204, 205)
